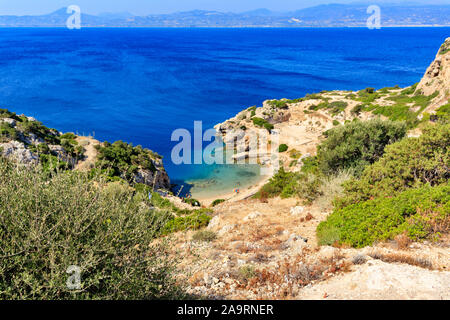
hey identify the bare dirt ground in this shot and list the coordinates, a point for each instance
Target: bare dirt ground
(90, 153)
(269, 251)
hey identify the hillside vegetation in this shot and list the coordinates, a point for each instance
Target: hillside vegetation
(48, 223)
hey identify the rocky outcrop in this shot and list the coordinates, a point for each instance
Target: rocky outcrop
(25, 141)
(437, 76)
(17, 151)
(158, 179)
(379, 280)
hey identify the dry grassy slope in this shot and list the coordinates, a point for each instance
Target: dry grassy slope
(260, 250)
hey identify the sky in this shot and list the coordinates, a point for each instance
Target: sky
(145, 7)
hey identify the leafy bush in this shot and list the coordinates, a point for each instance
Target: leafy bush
(410, 90)
(409, 163)
(290, 184)
(283, 148)
(193, 221)
(48, 224)
(52, 163)
(443, 113)
(247, 272)
(367, 97)
(310, 165)
(421, 213)
(357, 144)
(335, 107)
(278, 104)
(262, 123)
(217, 202)
(276, 184)
(124, 160)
(7, 132)
(50, 136)
(445, 48)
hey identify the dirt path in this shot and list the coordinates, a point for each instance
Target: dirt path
(90, 153)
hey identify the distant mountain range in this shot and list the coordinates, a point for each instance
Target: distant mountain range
(331, 15)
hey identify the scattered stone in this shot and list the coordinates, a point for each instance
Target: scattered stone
(16, 150)
(327, 252)
(297, 210)
(214, 223)
(226, 229)
(253, 215)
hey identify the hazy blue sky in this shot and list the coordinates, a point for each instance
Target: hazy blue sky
(144, 7)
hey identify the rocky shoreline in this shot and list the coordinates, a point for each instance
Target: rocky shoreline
(29, 142)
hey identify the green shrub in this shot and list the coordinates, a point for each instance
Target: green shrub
(192, 202)
(410, 90)
(411, 162)
(357, 144)
(50, 223)
(443, 113)
(305, 186)
(247, 272)
(52, 163)
(310, 165)
(358, 109)
(283, 148)
(445, 48)
(193, 221)
(336, 123)
(334, 107)
(204, 235)
(291, 184)
(276, 184)
(366, 96)
(217, 202)
(262, 123)
(124, 160)
(422, 213)
(295, 154)
(278, 104)
(7, 132)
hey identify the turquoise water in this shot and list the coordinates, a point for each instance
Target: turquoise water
(218, 180)
(138, 85)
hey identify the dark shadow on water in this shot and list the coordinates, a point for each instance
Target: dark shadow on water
(181, 188)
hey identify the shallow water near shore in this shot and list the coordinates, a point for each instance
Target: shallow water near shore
(139, 85)
(218, 180)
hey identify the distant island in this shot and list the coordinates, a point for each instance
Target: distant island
(330, 15)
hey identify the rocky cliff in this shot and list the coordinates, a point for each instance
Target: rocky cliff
(29, 142)
(437, 77)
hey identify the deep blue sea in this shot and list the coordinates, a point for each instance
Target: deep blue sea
(138, 85)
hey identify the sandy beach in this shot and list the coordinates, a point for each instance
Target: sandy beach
(232, 196)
